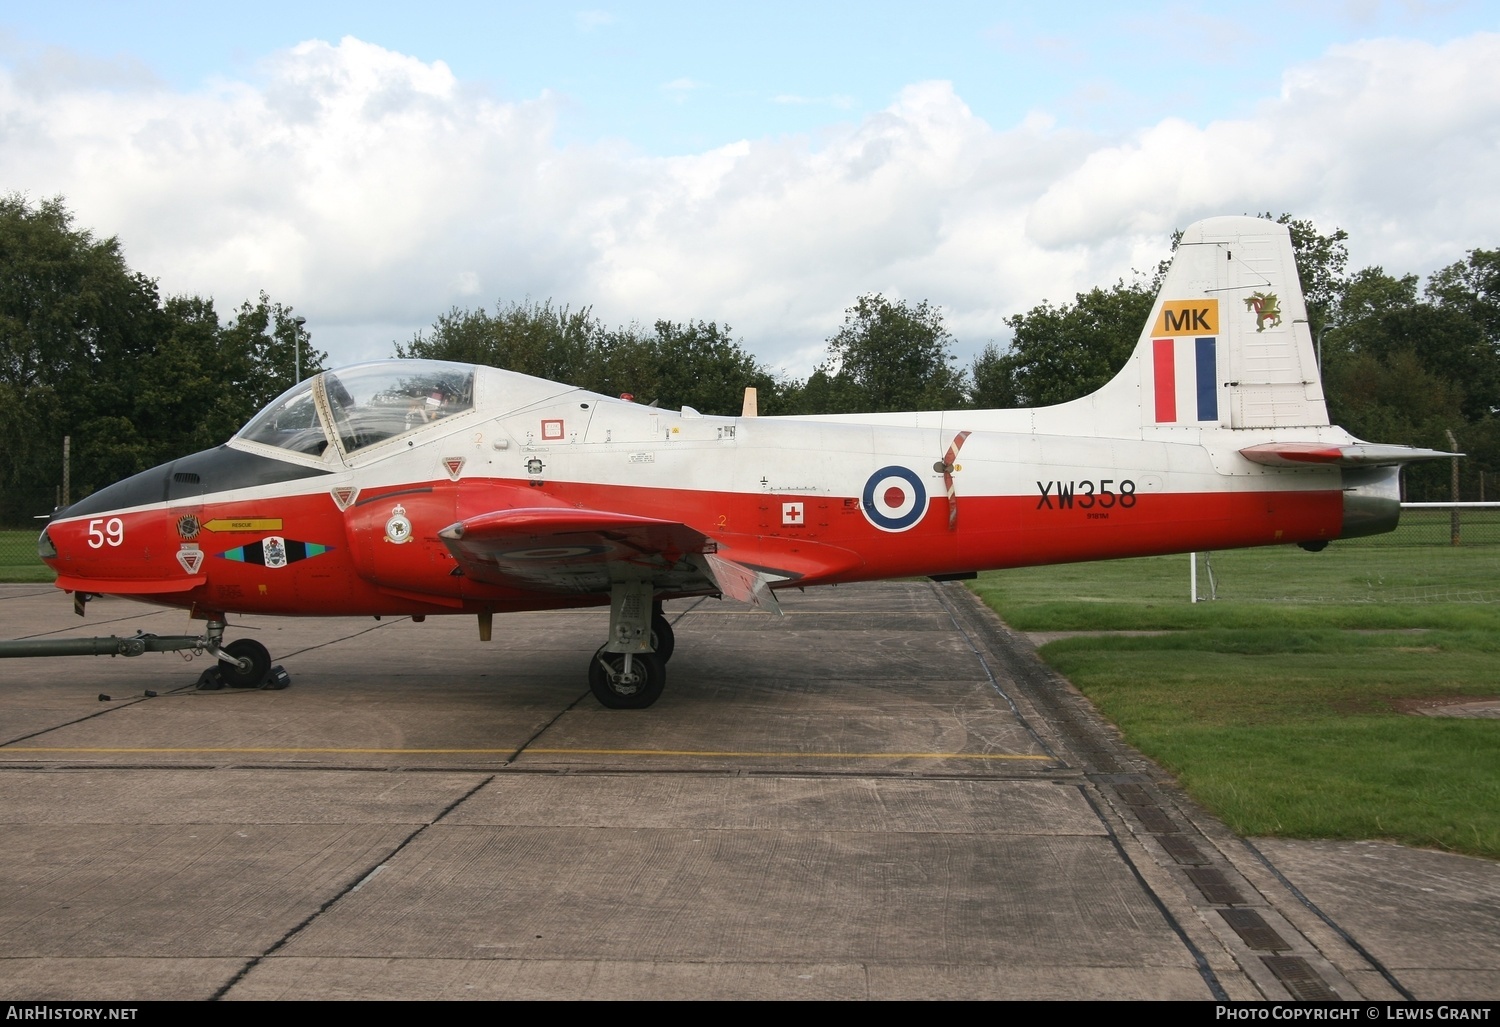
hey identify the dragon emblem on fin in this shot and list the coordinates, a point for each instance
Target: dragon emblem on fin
(1267, 308)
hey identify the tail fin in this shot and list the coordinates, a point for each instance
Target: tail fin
(1228, 342)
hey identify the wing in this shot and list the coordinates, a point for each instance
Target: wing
(568, 550)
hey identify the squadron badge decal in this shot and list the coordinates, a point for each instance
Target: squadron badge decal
(275, 552)
(398, 528)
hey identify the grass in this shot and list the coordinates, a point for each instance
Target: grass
(18, 559)
(1348, 585)
(1284, 705)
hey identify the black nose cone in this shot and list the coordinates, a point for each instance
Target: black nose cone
(202, 474)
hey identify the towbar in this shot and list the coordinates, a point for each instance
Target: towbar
(114, 645)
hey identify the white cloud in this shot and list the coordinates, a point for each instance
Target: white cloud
(372, 191)
(588, 21)
(1396, 141)
(680, 88)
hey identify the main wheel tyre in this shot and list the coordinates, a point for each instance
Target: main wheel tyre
(662, 638)
(618, 689)
(255, 654)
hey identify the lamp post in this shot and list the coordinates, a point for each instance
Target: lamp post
(297, 323)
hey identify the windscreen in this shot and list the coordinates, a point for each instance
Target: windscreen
(291, 422)
(374, 402)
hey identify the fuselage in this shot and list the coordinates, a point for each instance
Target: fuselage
(305, 514)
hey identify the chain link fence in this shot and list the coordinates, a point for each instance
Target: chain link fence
(1440, 525)
(23, 513)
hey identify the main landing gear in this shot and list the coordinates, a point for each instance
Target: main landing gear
(630, 670)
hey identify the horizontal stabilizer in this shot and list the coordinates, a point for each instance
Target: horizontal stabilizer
(1361, 454)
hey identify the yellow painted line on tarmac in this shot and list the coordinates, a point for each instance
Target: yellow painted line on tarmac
(287, 751)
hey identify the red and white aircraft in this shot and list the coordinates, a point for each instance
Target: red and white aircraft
(419, 487)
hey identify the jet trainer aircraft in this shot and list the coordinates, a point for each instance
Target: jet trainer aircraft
(420, 487)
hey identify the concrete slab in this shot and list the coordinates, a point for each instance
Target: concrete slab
(184, 891)
(617, 980)
(115, 979)
(233, 797)
(1431, 918)
(750, 896)
(780, 803)
(531, 979)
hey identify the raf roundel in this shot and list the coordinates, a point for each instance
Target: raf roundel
(894, 499)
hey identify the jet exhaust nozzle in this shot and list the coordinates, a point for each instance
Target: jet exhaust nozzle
(1372, 501)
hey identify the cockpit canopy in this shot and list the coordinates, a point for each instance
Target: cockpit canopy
(357, 407)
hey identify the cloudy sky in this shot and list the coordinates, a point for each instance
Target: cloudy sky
(373, 165)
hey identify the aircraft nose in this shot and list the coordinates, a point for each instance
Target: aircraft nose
(188, 478)
(141, 489)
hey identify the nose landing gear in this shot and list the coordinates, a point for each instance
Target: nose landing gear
(243, 663)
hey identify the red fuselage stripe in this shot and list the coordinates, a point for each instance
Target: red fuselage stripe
(359, 569)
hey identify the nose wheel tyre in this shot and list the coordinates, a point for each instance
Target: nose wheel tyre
(620, 688)
(257, 658)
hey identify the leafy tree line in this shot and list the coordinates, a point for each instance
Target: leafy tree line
(1409, 367)
(693, 363)
(887, 356)
(90, 350)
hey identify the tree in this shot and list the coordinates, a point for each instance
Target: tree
(1061, 353)
(1404, 369)
(1473, 286)
(263, 343)
(1321, 260)
(692, 363)
(533, 338)
(994, 376)
(887, 356)
(699, 365)
(74, 322)
(88, 350)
